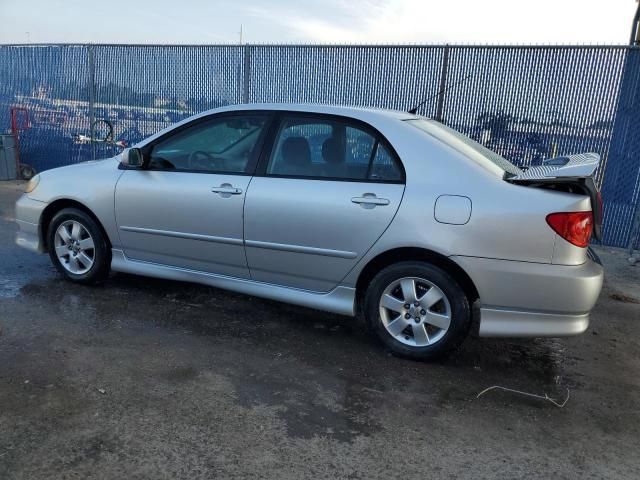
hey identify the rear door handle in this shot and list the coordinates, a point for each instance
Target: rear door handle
(226, 190)
(369, 200)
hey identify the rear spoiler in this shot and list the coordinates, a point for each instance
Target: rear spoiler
(580, 165)
(570, 173)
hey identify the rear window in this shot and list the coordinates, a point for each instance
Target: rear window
(481, 154)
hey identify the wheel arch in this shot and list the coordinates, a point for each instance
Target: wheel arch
(404, 254)
(54, 207)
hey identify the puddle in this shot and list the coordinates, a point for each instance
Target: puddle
(10, 287)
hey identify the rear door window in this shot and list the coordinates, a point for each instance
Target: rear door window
(325, 148)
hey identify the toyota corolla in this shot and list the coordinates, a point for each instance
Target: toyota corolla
(386, 215)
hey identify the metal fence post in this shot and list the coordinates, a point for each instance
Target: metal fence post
(91, 84)
(621, 177)
(246, 74)
(443, 84)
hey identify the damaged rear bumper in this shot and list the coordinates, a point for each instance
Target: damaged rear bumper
(520, 299)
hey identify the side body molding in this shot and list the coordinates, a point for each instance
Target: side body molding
(340, 300)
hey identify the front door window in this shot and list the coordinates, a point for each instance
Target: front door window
(222, 145)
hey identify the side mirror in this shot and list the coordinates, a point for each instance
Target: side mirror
(132, 157)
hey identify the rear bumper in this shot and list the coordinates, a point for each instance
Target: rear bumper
(520, 299)
(28, 213)
(496, 322)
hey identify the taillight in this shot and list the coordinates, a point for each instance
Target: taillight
(574, 227)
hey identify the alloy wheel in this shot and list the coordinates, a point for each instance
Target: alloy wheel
(74, 247)
(415, 311)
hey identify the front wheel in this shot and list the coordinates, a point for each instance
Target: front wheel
(77, 247)
(417, 310)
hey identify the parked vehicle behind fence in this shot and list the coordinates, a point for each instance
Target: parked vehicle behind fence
(382, 214)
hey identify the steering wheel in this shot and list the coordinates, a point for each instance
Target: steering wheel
(201, 160)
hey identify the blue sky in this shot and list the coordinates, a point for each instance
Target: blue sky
(325, 21)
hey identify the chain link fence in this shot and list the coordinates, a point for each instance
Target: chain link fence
(71, 103)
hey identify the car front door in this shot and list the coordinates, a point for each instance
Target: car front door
(184, 208)
(326, 192)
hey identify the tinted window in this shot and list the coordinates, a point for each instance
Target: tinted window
(384, 166)
(452, 137)
(223, 145)
(328, 149)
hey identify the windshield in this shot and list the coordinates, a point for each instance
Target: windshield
(481, 154)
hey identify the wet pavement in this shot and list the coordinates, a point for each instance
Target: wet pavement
(143, 378)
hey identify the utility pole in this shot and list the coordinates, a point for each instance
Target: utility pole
(634, 40)
(635, 27)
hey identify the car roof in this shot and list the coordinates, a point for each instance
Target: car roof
(373, 116)
(344, 110)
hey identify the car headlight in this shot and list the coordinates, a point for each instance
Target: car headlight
(32, 184)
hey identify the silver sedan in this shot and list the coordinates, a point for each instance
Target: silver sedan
(382, 214)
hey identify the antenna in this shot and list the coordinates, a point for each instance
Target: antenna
(635, 27)
(240, 34)
(414, 110)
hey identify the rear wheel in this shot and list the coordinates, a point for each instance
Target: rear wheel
(417, 310)
(77, 247)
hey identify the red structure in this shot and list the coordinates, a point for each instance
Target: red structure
(19, 121)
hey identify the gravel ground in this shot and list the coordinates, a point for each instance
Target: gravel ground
(141, 378)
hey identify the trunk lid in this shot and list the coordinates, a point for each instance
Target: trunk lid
(569, 173)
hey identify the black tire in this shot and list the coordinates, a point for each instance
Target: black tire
(27, 172)
(101, 251)
(460, 311)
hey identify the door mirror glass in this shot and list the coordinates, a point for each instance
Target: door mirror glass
(132, 157)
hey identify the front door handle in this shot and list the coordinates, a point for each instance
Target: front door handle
(369, 200)
(226, 190)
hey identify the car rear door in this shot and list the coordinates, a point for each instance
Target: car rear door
(184, 208)
(324, 193)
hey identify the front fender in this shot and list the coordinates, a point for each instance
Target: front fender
(91, 184)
